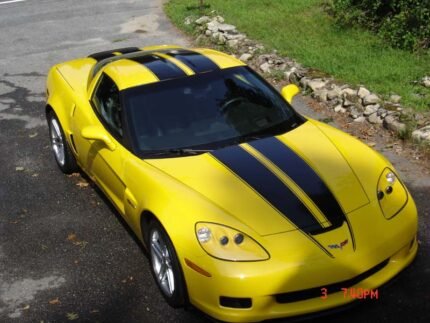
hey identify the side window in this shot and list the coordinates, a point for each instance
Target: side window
(106, 101)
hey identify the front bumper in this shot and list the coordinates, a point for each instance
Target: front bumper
(383, 249)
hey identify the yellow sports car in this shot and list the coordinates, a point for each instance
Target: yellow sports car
(249, 210)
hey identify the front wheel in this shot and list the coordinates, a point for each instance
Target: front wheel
(165, 266)
(62, 153)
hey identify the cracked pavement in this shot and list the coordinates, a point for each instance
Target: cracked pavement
(64, 251)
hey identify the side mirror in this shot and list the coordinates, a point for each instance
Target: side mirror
(289, 91)
(98, 133)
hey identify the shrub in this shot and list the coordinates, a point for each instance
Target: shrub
(403, 23)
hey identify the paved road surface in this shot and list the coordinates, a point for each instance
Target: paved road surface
(64, 252)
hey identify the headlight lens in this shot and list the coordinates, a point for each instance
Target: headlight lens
(226, 243)
(392, 195)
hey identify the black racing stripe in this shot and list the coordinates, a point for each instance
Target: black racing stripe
(304, 176)
(161, 67)
(110, 53)
(271, 188)
(197, 62)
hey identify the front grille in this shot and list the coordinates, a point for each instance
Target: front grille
(301, 295)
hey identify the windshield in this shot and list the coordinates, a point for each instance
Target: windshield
(205, 111)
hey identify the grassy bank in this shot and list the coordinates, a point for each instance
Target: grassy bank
(302, 30)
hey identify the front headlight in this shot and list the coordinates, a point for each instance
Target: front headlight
(226, 243)
(392, 194)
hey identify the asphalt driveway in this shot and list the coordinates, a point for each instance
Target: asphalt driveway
(64, 252)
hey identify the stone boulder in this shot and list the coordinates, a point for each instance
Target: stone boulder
(422, 134)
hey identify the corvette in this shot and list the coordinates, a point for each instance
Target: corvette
(248, 209)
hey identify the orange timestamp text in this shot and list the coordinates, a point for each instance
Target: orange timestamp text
(354, 293)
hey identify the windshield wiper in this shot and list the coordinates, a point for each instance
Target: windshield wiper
(187, 151)
(176, 151)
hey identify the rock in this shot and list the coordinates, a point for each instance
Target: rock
(363, 92)
(354, 113)
(202, 20)
(292, 75)
(360, 119)
(221, 39)
(347, 103)
(316, 84)
(391, 123)
(219, 19)
(395, 98)
(320, 94)
(354, 98)
(375, 119)
(349, 91)
(245, 57)
(382, 112)
(422, 134)
(371, 99)
(233, 43)
(304, 82)
(188, 20)
(426, 81)
(371, 109)
(213, 26)
(333, 94)
(339, 108)
(230, 29)
(265, 67)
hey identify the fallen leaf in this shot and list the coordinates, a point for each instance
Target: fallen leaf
(71, 237)
(26, 307)
(74, 239)
(82, 184)
(33, 135)
(54, 301)
(74, 175)
(81, 244)
(35, 175)
(72, 316)
(19, 168)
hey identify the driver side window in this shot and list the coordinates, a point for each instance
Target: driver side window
(106, 101)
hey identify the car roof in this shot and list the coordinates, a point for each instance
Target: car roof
(133, 66)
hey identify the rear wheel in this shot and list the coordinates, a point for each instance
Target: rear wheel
(165, 266)
(62, 153)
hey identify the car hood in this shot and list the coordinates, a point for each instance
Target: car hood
(295, 181)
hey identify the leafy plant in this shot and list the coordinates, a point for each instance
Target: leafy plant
(403, 23)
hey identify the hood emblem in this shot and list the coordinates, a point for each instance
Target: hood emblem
(338, 245)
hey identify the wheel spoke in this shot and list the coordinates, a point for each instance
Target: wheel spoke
(170, 280)
(162, 273)
(57, 141)
(161, 263)
(157, 251)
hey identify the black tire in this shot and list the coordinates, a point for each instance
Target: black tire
(178, 296)
(63, 155)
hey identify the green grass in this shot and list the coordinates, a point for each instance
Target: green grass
(302, 30)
